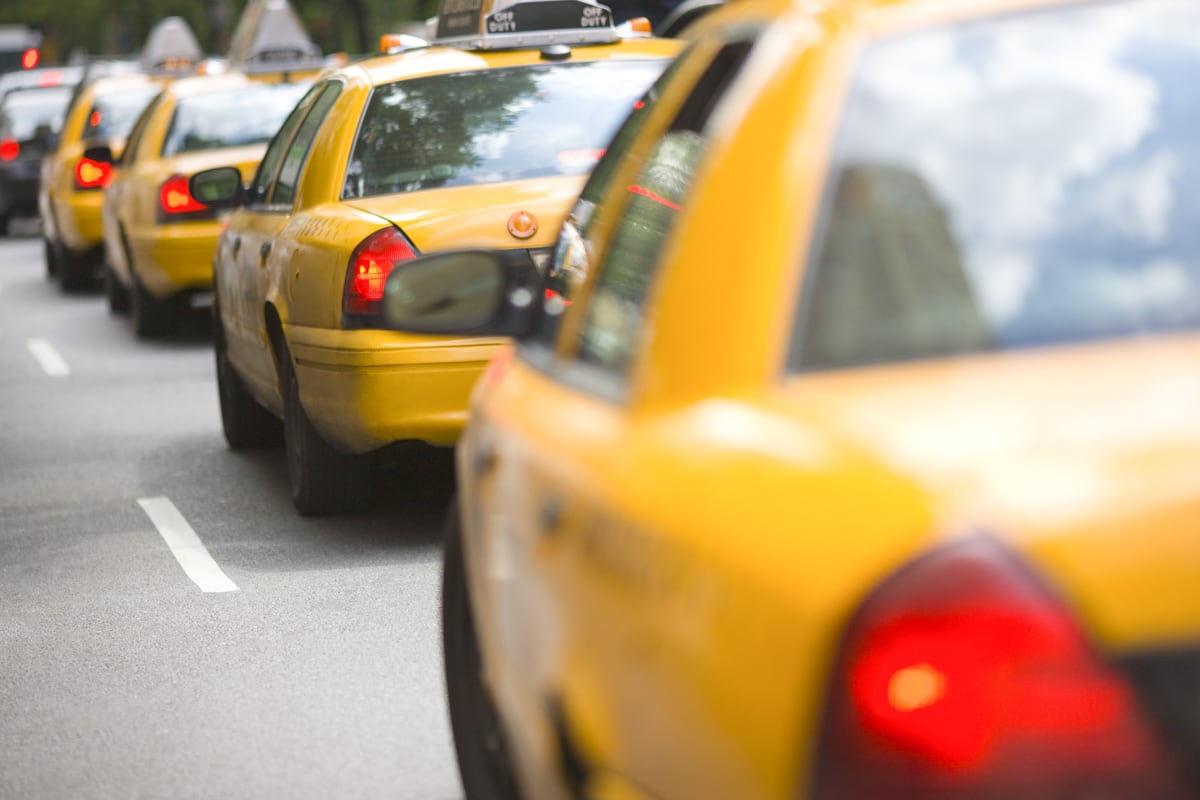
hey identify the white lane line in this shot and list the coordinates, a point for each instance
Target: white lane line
(186, 545)
(49, 359)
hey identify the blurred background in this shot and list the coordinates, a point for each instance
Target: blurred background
(72, 29)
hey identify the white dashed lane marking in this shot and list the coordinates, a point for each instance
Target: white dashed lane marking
(48, 358)
(186, 546)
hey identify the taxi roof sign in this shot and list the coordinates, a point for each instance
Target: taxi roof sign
(497, 24)
(270, 37)
(171, 48)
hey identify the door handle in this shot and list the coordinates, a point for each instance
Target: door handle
(264, 250)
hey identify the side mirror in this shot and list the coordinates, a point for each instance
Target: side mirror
(482, 292)
(220, 187)
(101, 154)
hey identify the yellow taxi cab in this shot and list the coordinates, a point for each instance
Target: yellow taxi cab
(158, 239)
(484, 139)
(855, 452)
(102, 111)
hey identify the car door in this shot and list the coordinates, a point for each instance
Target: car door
(243, 279)
(557, 562)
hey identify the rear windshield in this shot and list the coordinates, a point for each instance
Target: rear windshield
(1018, 181)
(488, 126)
(24, 111)
(114, 112)
(248, 114)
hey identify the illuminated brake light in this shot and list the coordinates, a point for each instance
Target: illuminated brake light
(91, 174)
(9, 149)
(54, 78)
(962, 677)
(175, 200)
(94, 119)
(370, 264)
(31, 58)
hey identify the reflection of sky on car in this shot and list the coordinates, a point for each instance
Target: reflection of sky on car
(1058, 143)
(239, 116)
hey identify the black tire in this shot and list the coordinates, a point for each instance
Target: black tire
(479, 739)
(74, 270)
(116, 292)
(5, 219)
(246, 423)
(151, 317)
(51, 255)
(323, 480)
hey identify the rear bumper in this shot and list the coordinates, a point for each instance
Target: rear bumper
(364, 389)
(175, 258)
(78, 221)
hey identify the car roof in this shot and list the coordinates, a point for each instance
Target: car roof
(436, 59)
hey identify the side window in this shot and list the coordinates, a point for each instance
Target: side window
(613, 321)
(133, 143)
(570, 263)
(279, 145)
(284, 191)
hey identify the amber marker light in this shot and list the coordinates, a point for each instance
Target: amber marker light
(522, 225)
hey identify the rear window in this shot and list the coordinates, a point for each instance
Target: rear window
(114, 112)
(1018, 181)
(24, 111)
(243, 115)
(489, 126)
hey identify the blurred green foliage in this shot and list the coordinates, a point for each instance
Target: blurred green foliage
(115, 27)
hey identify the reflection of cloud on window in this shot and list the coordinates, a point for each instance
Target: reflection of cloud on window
(1135, 200)
(1077, 110)
(1059, 145)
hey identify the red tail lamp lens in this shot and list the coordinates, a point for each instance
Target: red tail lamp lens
(370, 264)
(31, 58)
(174, 198)
(9, 149)
(91, 174)
(962, 677)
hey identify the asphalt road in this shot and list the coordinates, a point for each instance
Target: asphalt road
(319, 676)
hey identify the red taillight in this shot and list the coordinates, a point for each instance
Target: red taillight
(370, 264)
(175, 202)
(31, 58)
(963, 678)
(91, 174)
(9, 149)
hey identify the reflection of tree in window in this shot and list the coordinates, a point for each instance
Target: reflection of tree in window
(420, 134)
(889, 283)
(488, 126)
(615, 313)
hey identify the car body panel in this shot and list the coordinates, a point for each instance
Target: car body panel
(171, 258)
(644, 581)
(69, 215)
(366, 388)
(176, 256)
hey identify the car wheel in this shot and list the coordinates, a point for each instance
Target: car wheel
(74, 270)
(151, 317)
(115, 291)
(246, 423)
(51, 255)
(323, 480)
(479, 739)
